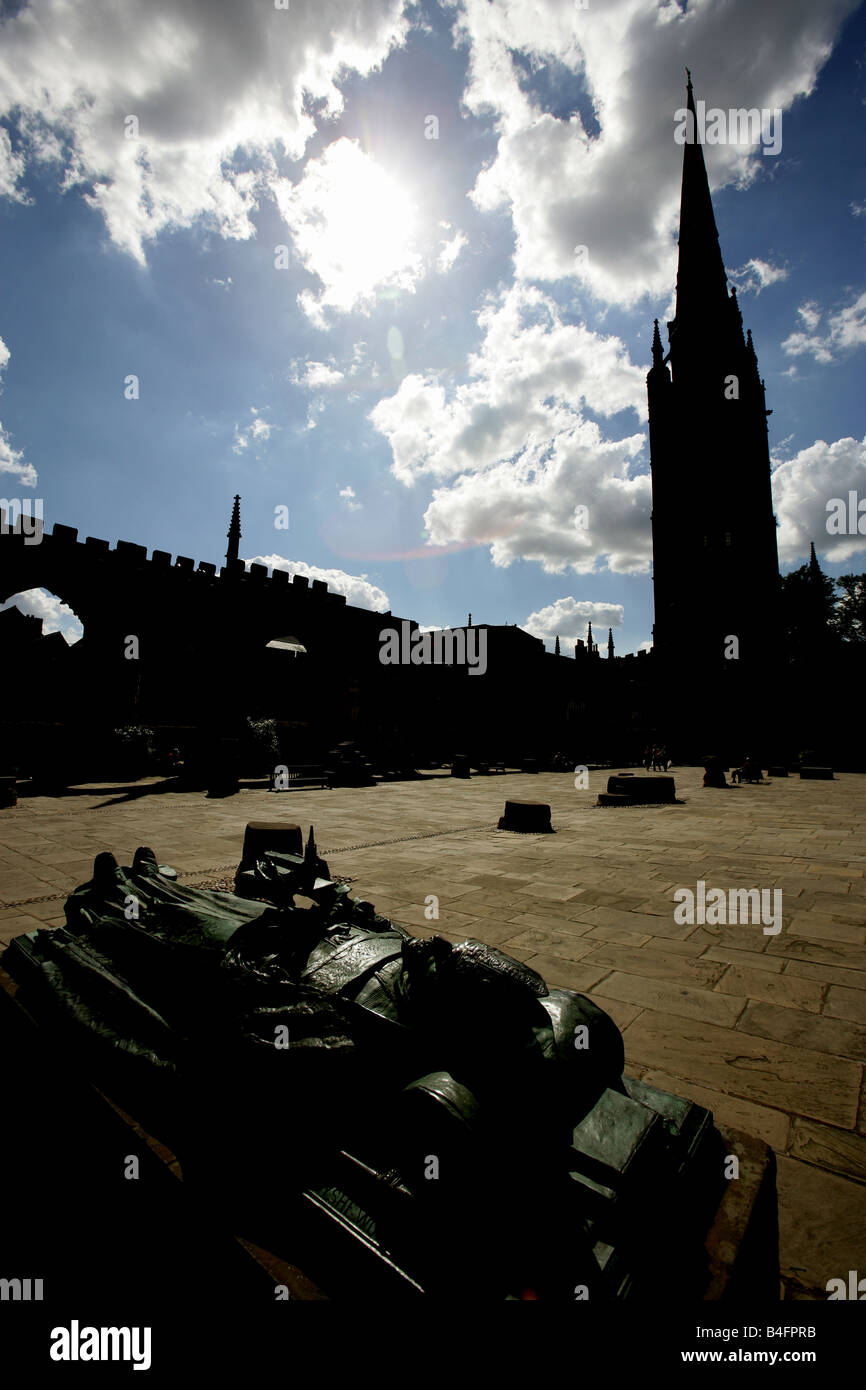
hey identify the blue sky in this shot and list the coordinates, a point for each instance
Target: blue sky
(432, 375)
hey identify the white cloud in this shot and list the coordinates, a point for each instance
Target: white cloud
(257, 432)
(354, 230)
(12, 167)
(217, 89)
(525, 456)
(357, 587)
(450, 251)
(348, 495)
(804, 485)
(526, 508)
(810, 314)
(316, 374)
(360, 352)
(12, 460)
(526, 381)
(56, 616)
(617, 192)
(845, 329)
(567, 619)
(756, 275)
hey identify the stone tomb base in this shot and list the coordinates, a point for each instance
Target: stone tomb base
(625, 789)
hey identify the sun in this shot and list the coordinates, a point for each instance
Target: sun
(355, 226)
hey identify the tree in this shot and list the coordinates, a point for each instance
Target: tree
(849, 617)
(808, 600)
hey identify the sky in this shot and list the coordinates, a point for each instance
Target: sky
(389, 271)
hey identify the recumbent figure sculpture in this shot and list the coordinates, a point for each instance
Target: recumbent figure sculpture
(415, 1114)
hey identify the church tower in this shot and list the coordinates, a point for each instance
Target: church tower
(715, 561)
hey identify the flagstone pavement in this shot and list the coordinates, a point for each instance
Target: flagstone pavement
(768, 1031)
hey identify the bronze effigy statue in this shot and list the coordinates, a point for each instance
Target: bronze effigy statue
(419, 1115)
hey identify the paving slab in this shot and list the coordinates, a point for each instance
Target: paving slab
(827, 1147)
(822, 1227)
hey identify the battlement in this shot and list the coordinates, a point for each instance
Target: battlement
(62, 542)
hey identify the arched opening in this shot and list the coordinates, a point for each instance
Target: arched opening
(39, 641)
(55, 615)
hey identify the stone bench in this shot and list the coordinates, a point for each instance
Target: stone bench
(816, 774)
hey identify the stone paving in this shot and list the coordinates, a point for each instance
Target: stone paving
(768, 1031)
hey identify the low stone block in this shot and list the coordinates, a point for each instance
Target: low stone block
(816, 774)
(527, 817)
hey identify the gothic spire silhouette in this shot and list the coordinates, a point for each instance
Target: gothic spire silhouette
(658, 350)
(701, 278)
(715, 563)
(234, 532)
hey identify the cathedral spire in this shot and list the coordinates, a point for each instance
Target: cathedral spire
(701, 278)
(234, 531)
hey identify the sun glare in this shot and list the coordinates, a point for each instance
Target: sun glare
(354, 224)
